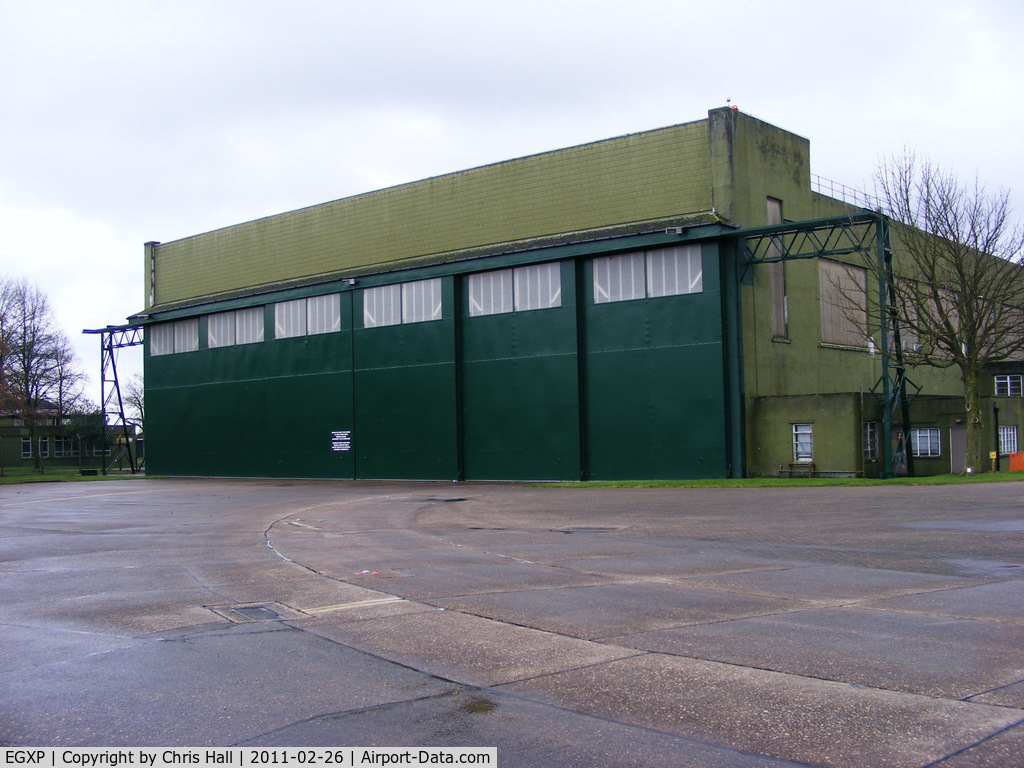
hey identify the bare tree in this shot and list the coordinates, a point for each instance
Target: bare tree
(134, 399)
(68, 379)
(7, 311)
(959, 280)
(41, 376)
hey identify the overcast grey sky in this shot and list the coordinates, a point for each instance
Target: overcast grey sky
(124, 122)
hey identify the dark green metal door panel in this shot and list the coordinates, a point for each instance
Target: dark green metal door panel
(521, 419)
(173, 430)
(654, 385)
(405, 423)
(520, 392)
(406, 414)
(655, 414)
(265, 409)
(253, 428)
(299, 440)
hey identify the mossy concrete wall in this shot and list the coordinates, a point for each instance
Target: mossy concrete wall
(835, 421)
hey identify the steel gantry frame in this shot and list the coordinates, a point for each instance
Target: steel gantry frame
(865, 234)
(112, 339)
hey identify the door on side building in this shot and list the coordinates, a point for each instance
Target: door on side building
(957, 449)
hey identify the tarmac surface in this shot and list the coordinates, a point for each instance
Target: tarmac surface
(703, 628)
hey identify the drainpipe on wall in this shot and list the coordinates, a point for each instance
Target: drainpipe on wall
(151, 273)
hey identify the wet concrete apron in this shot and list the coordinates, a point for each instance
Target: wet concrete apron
(685, 627)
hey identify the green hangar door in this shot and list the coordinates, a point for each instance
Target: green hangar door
(252, 391)
(520, 374)
(405, 382)
(654, 371)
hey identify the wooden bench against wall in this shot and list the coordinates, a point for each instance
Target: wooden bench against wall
(800, 469)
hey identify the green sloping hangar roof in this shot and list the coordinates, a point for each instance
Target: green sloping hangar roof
(589, 191)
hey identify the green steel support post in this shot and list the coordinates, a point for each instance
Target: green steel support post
(733, 341)
(894, 377)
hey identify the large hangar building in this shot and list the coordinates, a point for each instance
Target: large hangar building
(586, 313)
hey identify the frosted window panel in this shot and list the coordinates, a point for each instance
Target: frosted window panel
(674, 271)
(290, 319)
(618, 278)
(538, 286)
(186, 335)
(249, 326)
(220, 330)
(421, 301)
(161, 339)
(323, 314)
(382, 306)
(490, 293)
(1007, 439)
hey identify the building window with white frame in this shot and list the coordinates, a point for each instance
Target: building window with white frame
(925, 442)
(803, 442)
(1007, 439)
(1009, 385)
(64, 447)
(26, 447)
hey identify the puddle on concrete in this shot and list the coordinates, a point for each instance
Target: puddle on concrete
(478, 706)
(976, 566)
